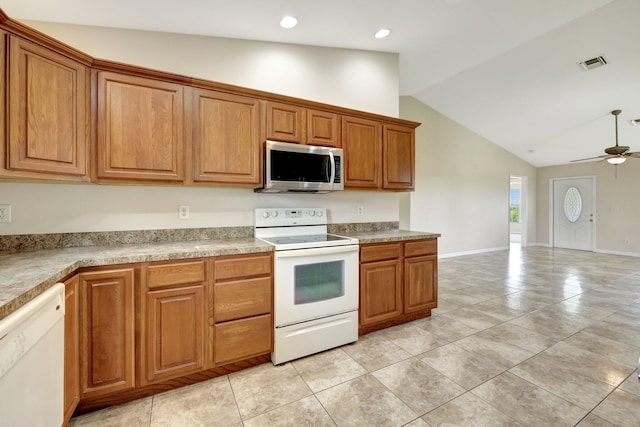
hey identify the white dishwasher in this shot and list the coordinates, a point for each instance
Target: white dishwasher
(32, 362)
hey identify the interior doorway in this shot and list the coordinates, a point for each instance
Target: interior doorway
(518, 210)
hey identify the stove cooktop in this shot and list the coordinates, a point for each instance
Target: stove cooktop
(309, 241)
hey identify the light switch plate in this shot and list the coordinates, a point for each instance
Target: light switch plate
(183, 212)
(5, 213)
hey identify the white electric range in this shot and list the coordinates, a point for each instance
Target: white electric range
(316, 281)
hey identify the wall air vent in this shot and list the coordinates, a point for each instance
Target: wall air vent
(592, 63)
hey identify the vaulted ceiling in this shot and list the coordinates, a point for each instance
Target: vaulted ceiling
(506, 69)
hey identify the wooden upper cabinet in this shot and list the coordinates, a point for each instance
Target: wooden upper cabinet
(224, 132)
(48, 113)
(140, 129)
(323, 128)
(286, 122)
(362, 145)
(398, 157)
(291, 123)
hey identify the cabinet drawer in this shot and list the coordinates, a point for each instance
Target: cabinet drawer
(243, 266)
(241, 339)
(175, 273)
(380, 252)
(421, 247)
(242, 298)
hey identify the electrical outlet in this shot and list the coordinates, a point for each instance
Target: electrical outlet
(5, 213)
(627, 242)
(359, 210)
(183, 212)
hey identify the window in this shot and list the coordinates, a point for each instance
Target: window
(572, 204)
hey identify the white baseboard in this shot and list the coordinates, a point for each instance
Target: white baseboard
(604, 251)
(473, 252)
(542, 245)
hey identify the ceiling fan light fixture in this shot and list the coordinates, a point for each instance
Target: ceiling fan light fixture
(618, 160)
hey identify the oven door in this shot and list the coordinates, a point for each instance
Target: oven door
(315, 283)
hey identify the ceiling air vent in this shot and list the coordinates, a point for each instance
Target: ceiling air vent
(635, 122)
(592, 63)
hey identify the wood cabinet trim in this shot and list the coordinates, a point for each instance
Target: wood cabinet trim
(71, 348)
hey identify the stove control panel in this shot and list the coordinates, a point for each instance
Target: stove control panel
(270, 217)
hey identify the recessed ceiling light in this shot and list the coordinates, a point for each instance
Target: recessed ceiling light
(382, 33)
(288, 22)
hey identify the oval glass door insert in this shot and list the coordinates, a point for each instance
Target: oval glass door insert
(572, 204)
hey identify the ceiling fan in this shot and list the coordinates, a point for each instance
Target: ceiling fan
(617, 154)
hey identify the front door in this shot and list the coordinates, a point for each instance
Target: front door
(573, 217)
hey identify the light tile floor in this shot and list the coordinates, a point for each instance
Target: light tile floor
(531, 337)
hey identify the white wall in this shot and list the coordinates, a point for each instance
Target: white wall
(462, 184)
(617, 206)
(57, 208)
(361, 80)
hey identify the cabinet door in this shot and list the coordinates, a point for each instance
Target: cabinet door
(285, 122)
(380, 291)
(398, 158)
(420, 289)
(48, 114)
(140, 129)
(174, 332)
(362, 145)
(225, 138)
(323, 128)
(108, 331)
(71, 348)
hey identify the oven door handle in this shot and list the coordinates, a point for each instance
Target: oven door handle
(317, 251)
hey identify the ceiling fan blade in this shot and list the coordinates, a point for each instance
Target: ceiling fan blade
(634, 154)
(591, 158)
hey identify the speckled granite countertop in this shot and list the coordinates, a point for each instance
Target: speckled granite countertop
(390, 236)
(24, 275)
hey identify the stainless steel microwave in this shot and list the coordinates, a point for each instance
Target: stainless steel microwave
(297, 168)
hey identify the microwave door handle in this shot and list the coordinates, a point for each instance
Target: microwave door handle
(332, 176)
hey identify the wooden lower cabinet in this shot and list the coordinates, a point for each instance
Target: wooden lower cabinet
(174, 333)
(150, 327)
(240, 339)
(398, 283)
(241, 322)
(380, 291)
(173, 316)
(108, 331)
(419, 277)
(71, 348)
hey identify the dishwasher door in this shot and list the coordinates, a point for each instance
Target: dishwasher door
(32, 362)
